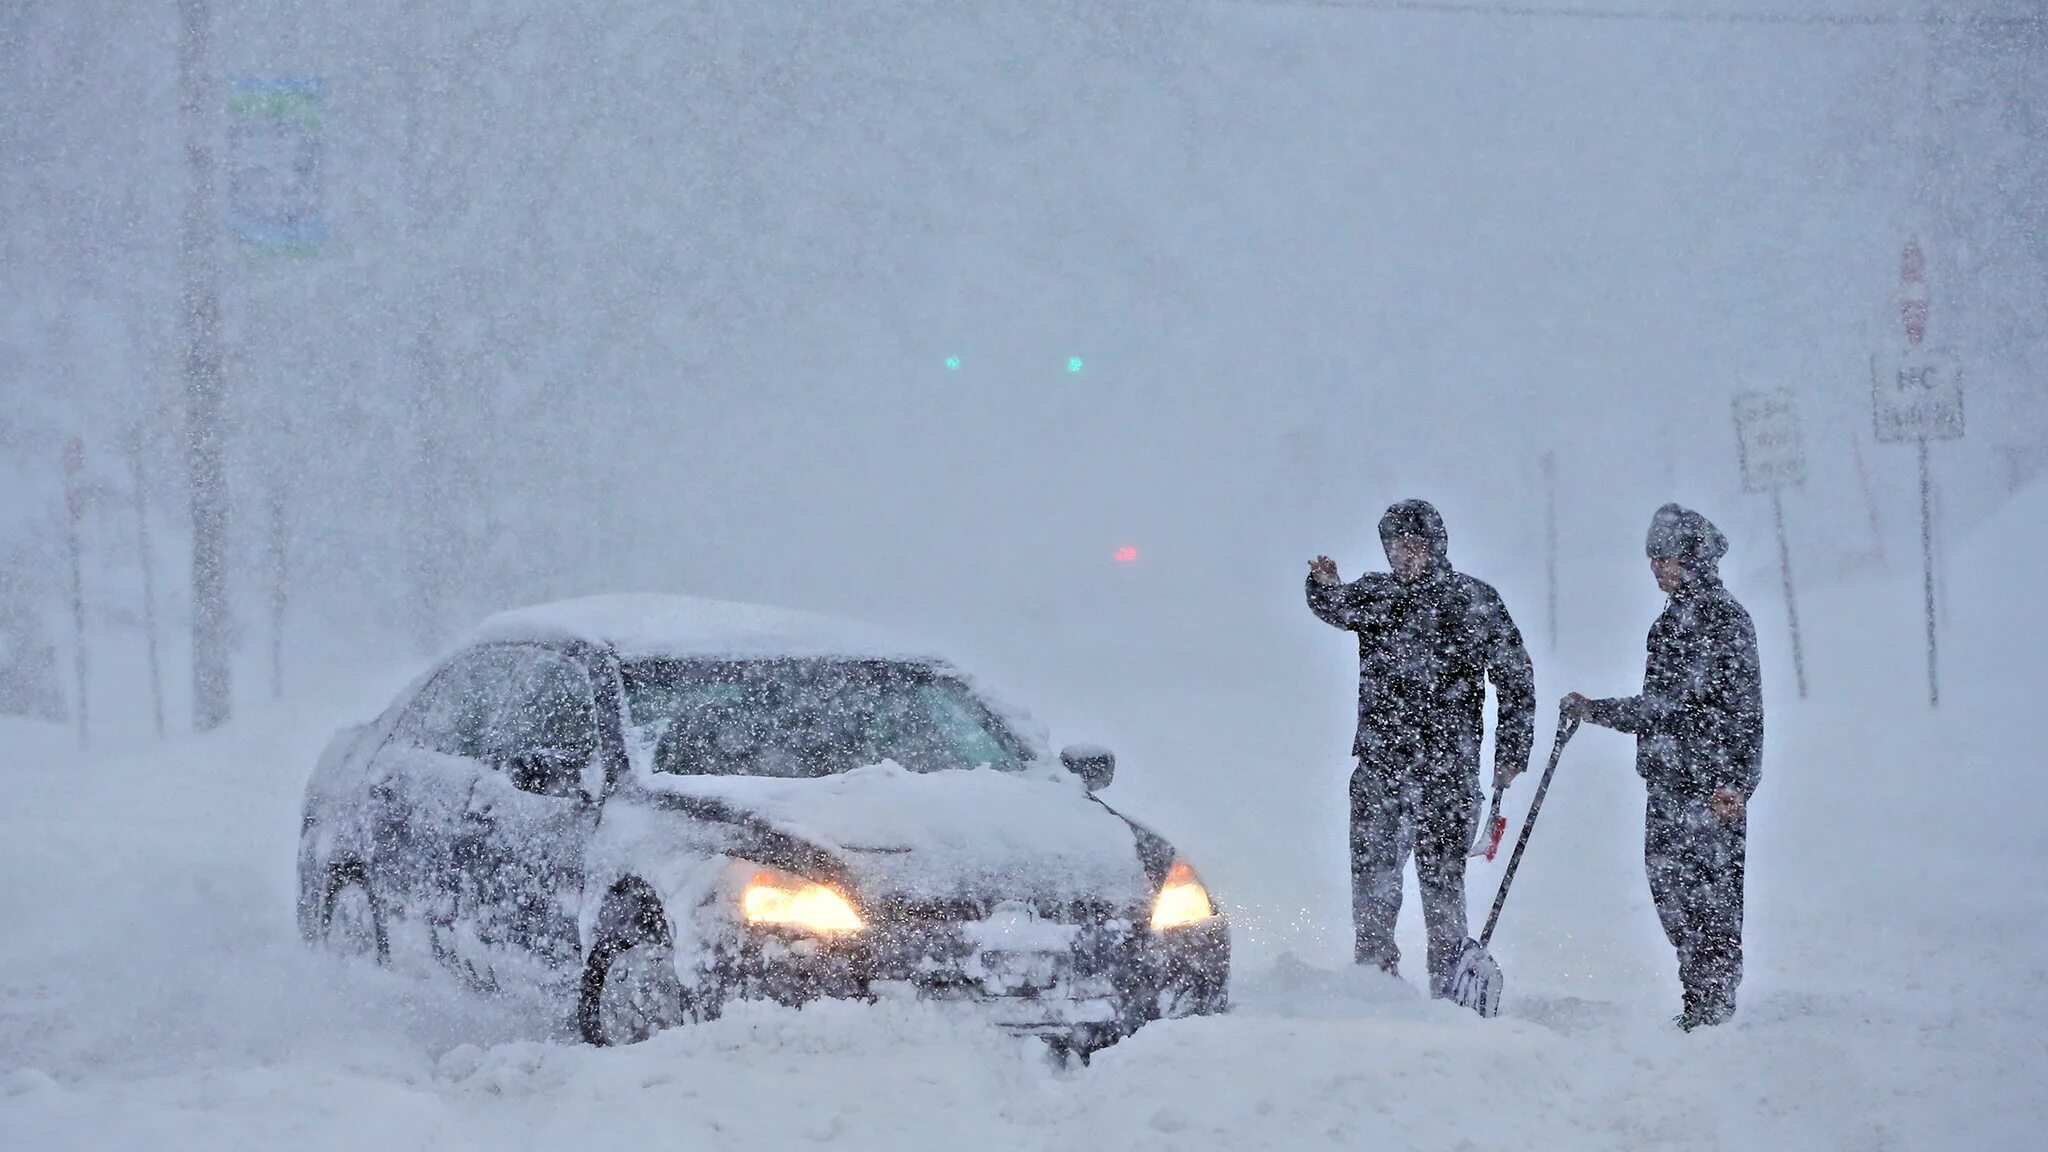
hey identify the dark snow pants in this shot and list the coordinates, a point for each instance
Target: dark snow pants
(1392, 811)
(1695, 862)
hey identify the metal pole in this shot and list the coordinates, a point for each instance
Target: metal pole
(1565, 728)
(427, 559)
(280, 583)
(156, 669)
(1941, 596)
(205, 379)
(1791, 602)
(1927, 572)
(74, 508)
(1550, 537)
(1869, 499)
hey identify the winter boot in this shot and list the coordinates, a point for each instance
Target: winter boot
(1688, 1017)
(1703, 1012)
(1715, 1010)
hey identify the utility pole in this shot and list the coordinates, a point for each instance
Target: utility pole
(205, 377)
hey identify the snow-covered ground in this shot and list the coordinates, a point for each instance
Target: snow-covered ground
(154, 994)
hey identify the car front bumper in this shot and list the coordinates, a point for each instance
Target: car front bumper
(1109, 978)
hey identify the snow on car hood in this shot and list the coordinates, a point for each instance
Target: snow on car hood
(978, 834)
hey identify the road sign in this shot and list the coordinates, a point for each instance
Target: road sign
(1768, 435)
(276, 161)
(1916, 394)
(1773, 459)
(1914, 300)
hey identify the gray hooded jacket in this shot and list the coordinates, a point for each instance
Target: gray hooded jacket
(1699, 721)
(1425, 653)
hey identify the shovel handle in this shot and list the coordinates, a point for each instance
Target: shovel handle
(1487, 842)
(1565, 727)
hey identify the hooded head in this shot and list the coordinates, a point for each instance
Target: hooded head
(1681, 534)
(1419, 520)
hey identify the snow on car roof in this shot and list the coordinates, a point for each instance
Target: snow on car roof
(653, 625)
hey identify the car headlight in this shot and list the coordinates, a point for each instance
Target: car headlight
(793, 902)
(1182, 900)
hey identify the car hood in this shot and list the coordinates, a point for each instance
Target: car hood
(977, 834)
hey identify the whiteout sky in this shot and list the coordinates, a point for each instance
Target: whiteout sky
(692, 273)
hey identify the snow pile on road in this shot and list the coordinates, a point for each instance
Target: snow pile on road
(154, 994)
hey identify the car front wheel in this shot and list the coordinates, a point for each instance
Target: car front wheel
(638, 995)
(630, 987)
(351, 924)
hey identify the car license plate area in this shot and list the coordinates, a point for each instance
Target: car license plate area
(1026, 974)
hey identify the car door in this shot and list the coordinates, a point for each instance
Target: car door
(420, 784)
(529, 823)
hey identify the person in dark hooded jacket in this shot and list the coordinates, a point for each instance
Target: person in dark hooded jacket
(1699, 729)
(1429, 639)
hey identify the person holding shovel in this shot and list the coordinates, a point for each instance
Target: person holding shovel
(1699, 729)
(1429, 639)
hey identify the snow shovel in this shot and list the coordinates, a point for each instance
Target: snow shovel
(1475, 979)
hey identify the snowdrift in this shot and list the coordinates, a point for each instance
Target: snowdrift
(153, 991)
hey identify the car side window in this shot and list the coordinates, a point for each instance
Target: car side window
(548, 710)
(452, 714)
(963, 727)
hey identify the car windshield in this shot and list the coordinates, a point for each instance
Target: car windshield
(804, 718)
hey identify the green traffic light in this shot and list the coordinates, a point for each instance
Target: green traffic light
(1073, 363)
(952, 363)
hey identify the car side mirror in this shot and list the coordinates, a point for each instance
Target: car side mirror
(547, 772)
(1094, 764)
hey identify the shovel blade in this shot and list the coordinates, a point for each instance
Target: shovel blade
(1475, 980)
(1487, 842)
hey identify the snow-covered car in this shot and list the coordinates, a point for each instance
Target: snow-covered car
(641, 808)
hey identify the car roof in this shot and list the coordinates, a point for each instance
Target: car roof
(649, 626)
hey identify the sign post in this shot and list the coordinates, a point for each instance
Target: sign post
(1550, 538)
(1916, 396)
(1773, 452)
(280, 582)
(156, 672)
(276, 193)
